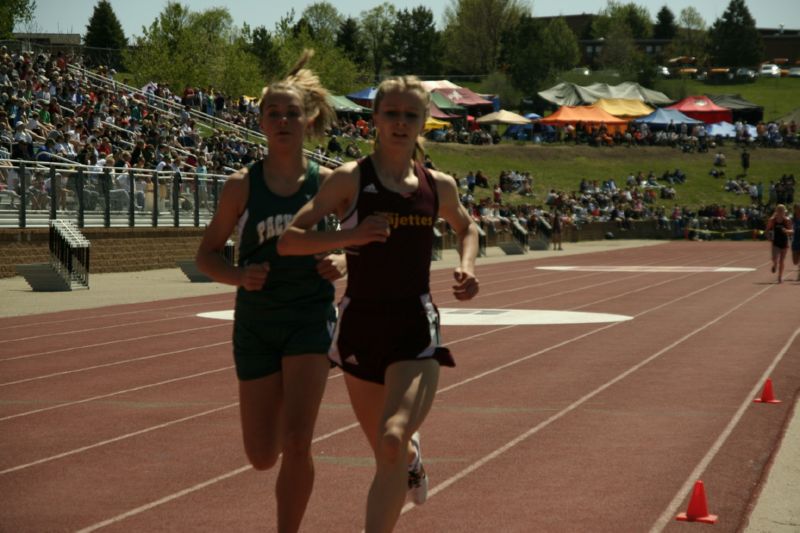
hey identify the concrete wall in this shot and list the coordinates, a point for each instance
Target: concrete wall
(112, 249)
(134, 249)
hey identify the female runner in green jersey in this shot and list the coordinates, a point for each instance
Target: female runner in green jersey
(284, 305)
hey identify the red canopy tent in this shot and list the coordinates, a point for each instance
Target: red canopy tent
(703, 108)
(465, 97)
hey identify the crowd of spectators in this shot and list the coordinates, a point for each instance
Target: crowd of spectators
(49, 112)
(638, 197)
(689, 138)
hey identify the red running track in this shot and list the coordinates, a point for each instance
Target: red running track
(125, 418)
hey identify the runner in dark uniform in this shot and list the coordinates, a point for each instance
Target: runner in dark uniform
(388, 337)
(284, 305)
(374, 297)
(781, 229)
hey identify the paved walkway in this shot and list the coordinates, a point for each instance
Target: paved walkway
(778, 506)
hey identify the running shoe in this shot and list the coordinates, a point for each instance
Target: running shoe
(417, 479)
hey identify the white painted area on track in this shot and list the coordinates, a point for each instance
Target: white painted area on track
(496, 317)
(644, 268)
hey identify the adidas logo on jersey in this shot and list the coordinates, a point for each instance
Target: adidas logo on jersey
(370, 188)
(351, 360)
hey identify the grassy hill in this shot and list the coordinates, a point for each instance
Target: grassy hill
(779, 96)
(563, 166)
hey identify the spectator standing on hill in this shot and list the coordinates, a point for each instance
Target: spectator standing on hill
(387, 340)
(780, 230)
(555, 233)
(745, 161)
(284, 305)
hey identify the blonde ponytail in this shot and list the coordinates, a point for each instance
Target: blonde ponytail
(314, 96)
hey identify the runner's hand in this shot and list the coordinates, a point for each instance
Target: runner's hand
(252, 277)
(374, 228)
(331, 266)
(466, 286)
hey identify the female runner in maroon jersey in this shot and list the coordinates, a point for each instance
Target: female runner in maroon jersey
(387, 334)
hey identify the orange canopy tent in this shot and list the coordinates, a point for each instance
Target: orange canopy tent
(588, 114)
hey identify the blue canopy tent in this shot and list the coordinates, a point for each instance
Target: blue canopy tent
(364, 96)
(728, 130)
(530, 132)
(661, 118)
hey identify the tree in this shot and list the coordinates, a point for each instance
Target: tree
(619, 49)
(635, 18)
(261, 44)
(335, 70)
(414, 43)
(474, 29)
(691, 37)
(323, 21)
(348, 39)
(376, 25)
(665, 27)
(13, 12)
(536, 52)
(734, 39)
(104, 39)
(182, 48)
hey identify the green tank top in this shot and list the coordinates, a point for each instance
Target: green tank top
(293, 290)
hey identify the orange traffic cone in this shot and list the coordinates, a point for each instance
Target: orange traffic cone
(698, 509)
(766, 395)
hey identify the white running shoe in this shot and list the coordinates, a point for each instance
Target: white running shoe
(417, 479)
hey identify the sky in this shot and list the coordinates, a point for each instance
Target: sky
(72, 16)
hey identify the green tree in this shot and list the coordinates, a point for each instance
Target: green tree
(537, 52)
(376, 26)
(335, 70)
(665, 27)
(691, 37)
(619, 49)
(182, 48)
(348, 39)
(323, 21)
(261, 44)
(414, 43)
(616, 14)
(105, 41)
(13, 12)
(734, 39)
(474, 31)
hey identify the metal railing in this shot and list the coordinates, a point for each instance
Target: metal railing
(96, 196)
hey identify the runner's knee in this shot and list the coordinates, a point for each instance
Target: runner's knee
(391, 445)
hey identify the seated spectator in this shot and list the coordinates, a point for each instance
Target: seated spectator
(481, 180)
(333, 145)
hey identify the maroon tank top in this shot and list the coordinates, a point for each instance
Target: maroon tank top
(398, 269)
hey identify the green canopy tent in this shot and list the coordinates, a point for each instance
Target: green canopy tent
(342, 104)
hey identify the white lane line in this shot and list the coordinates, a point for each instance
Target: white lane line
(232, 473)
(115, 439)
(115, 363)
(193, 488)
(100, 328)
(156, 308)
(645, 268)
(117, 393)
(128, 435)
(524, 436)
(115, 341)
(669, 513)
